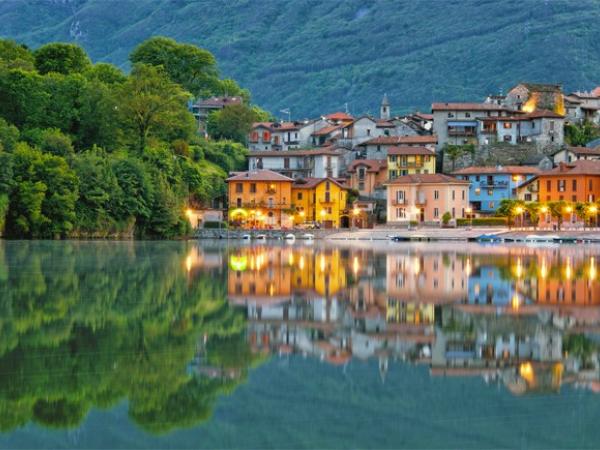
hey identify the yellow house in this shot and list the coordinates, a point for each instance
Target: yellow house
(260, 199)
(319, 200)
(409, 160)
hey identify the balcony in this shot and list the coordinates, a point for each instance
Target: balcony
(420, 199)
(489, 131)
(494, 184)
(326, 201)
(398, 202)
(459, 132)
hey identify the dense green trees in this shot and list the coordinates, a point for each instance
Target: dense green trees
(93, 151)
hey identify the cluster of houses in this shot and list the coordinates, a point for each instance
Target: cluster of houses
(338, 170)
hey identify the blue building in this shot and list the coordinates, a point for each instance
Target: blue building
(490, 185)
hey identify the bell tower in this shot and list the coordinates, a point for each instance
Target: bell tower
(384, 111)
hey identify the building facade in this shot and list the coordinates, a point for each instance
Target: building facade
(425, 198)
(368, 176)
(407, 160)
(315, 163)
(260, 199)
(322, 201)
(490, 185)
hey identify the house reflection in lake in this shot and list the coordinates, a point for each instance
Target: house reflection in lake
(507, 313)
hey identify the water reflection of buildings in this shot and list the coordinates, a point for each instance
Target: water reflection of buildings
(506, 313)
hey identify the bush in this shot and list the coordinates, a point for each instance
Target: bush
(215, 225)
(483, 221)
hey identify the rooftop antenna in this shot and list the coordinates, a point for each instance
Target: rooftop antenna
(288, 112)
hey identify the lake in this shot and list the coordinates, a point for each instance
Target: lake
(322, 345)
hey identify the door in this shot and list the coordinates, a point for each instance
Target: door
(422, 216)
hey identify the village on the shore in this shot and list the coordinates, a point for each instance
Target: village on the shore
(503, 160)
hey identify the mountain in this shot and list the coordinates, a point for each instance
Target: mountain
(314, 56)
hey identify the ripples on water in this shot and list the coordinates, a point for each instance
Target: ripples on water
(159, 334)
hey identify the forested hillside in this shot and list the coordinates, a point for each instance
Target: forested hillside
(315, 56)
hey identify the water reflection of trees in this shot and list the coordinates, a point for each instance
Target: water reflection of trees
(87, 325)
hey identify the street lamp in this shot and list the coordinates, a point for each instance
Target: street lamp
(322, 213)
(544, 211)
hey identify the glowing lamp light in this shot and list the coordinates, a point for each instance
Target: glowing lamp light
(323, 213)
(356, 211)
(302, 213)
(519, 210)
(238, 263)
(569, 209)
(188, 212)
(526, 371)
(544, 209)
(593, 209)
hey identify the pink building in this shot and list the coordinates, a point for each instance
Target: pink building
(424, 198)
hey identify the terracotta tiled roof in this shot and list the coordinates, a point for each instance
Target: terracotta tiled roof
(326, 130)
(278, 126)
(373, 165)
(309, 183)
(495, 170)
(258, 175)
(429, 178)
(424, 116)
(542, 113)
(282, 153)
(467, 107)
(585, 150)
(596, 91)
(408, 150)
(339, 116)
(407, 140)
(581, 167)
(383, 123)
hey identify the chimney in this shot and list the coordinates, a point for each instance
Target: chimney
(562, 166)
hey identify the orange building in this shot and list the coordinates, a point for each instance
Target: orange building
(260, 199)
(574, 182)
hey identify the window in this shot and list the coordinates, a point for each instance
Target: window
(561, 185)
(436, 195)
(453, 213)
(393, 174)
(271, 203)
(477, 191)
(453, 194)
(368, 132)
(286, 163)
(400, 196)
(463, 213)
(239, 202)
(327, 185)
(477, 178)
(436, 213)
(548, 185)
(276, 140)
(239, 188)
(400, 213)
(361, 185)
(490, 192)
(450, 115)
(253, 188)
(507, 125)
(467, 114)
(491, 205)
(574, 198)
(463, 194)
(299, 195)
(574, 185)
(361, 173)
(392, 158)
(266, 136)
(533, 125)
(552, 125)
(590, 185)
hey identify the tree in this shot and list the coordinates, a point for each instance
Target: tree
(15, 56)
(190, 66)
(452, 152)
(149, 100)
(533, 211)
(105, 73)
(582, 133)
(556, 210)
(9, 136)
(232, 122)
(61, 58)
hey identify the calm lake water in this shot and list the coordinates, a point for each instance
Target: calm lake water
(374, 345)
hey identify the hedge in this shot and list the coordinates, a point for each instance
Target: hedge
(482, 221)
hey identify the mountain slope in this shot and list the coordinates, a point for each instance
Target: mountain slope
(315, 56)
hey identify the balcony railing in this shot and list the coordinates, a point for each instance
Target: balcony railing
(398, 202)
(461, 133)
(494, 184)
(326, 201)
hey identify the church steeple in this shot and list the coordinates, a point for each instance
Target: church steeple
(384, 111)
